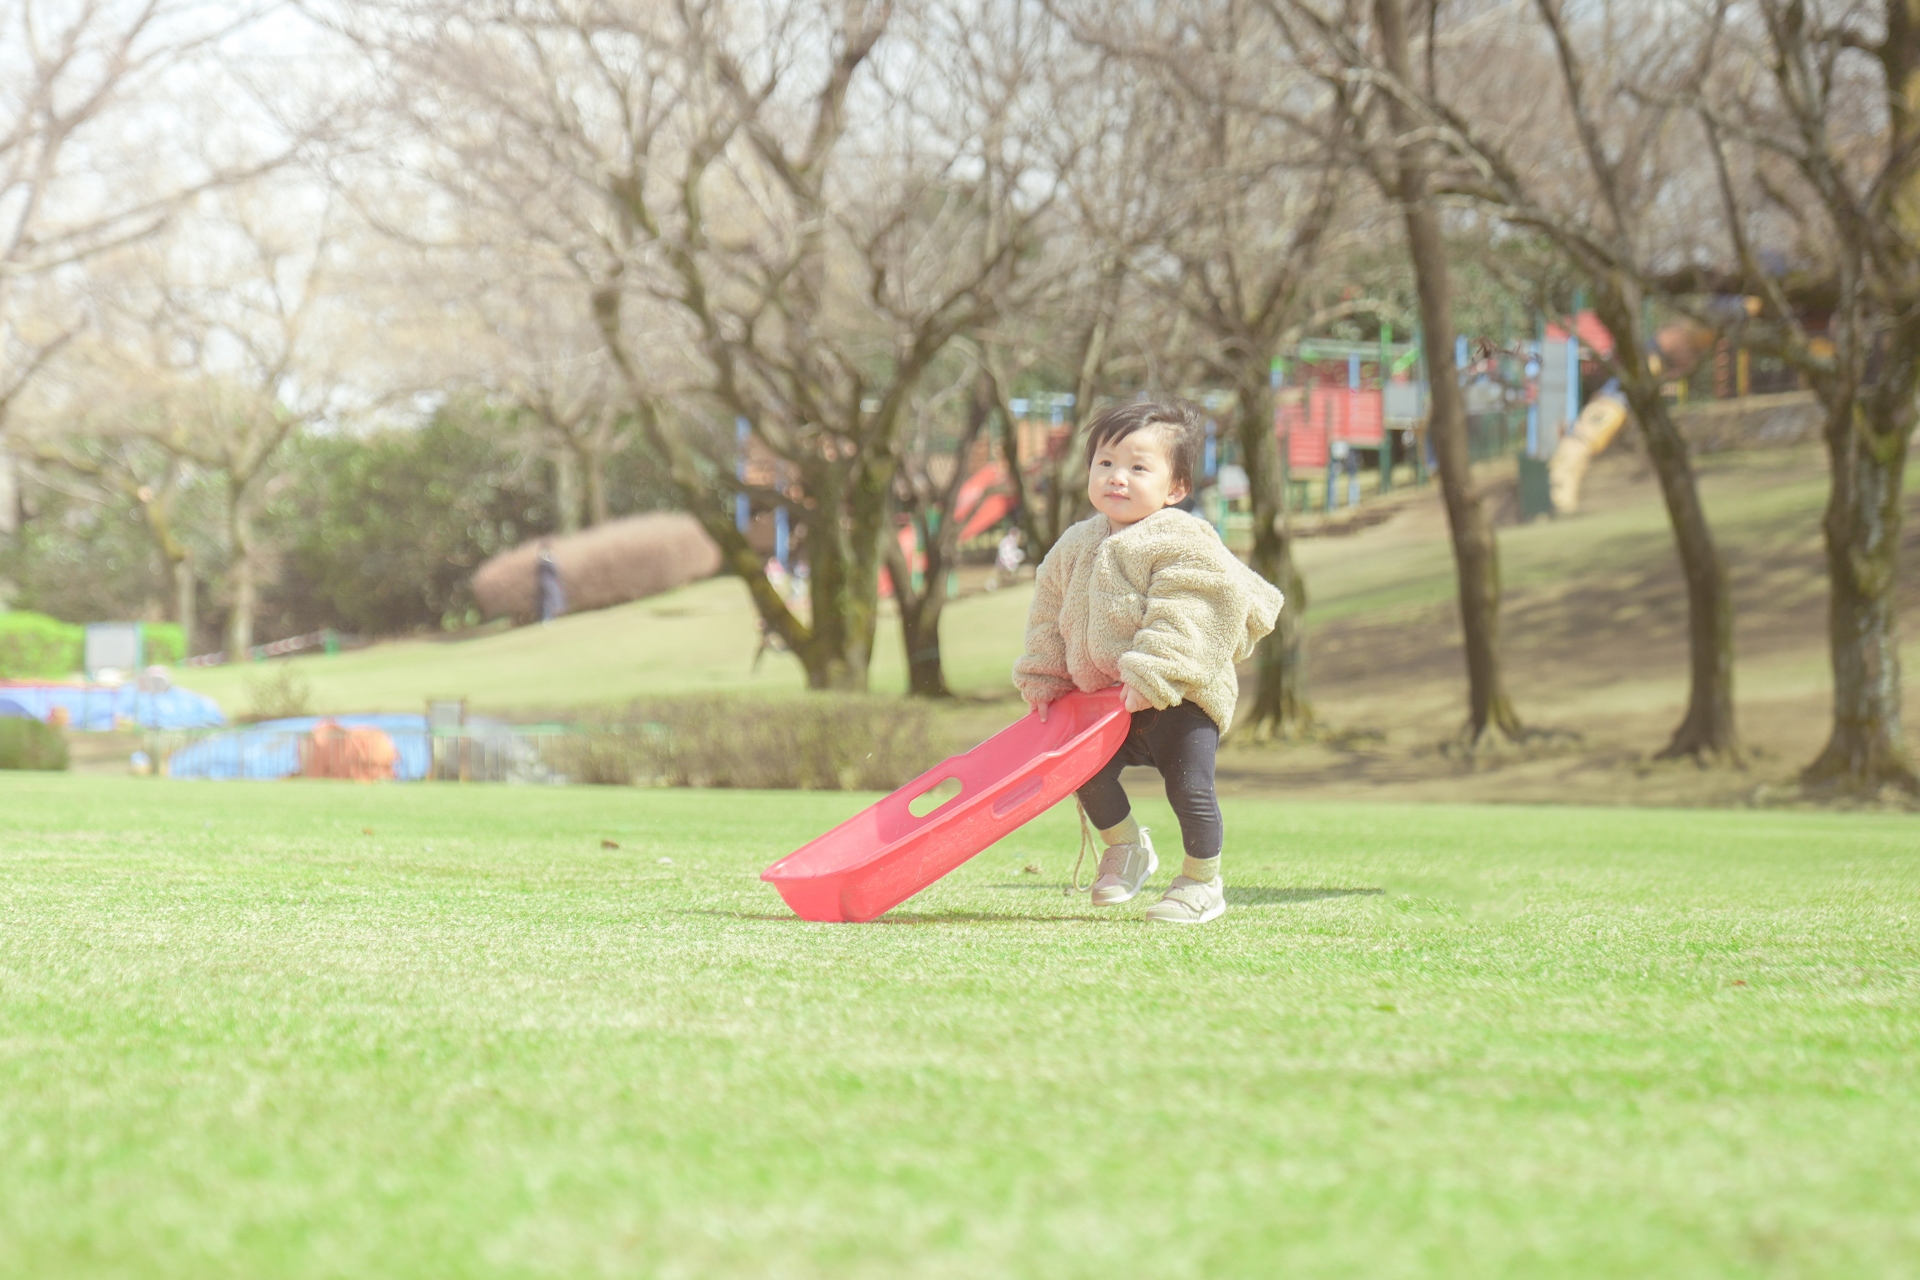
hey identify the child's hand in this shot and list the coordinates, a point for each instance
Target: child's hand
(1039, 709)
(1136, 701)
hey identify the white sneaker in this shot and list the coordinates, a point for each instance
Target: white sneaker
(1190, 902)
(1123, 869)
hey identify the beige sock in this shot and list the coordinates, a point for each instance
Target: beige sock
(1126, 831)
(1202, 869)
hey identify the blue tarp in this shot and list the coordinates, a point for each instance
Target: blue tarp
(271, 749)
(98, 707)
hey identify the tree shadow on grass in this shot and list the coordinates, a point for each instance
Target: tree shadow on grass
(909, 917)
(985, 917)
(1239, 895)
(1253, 895)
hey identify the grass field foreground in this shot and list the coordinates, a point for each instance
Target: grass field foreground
(306, 1030)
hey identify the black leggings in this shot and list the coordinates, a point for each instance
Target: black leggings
(1180, 742)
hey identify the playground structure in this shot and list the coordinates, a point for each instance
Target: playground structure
(1570, 433)
(1599, 422)
(95, 707)
(371, 747)
(1347, 410)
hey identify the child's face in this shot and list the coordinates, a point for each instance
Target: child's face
(1132, 477)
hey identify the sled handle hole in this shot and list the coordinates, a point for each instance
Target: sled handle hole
(933, 797)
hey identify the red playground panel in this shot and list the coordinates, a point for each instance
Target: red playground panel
(1310, 419)
(883, 855)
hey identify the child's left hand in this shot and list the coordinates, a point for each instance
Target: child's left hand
(1136, 701)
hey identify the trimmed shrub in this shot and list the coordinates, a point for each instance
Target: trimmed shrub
(609, 564)
(32, 645)
(825, 743)
(381, 533)
(278, 693)
(31, 744)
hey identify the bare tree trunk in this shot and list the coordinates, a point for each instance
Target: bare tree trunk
(1867, 450)
(936, 523)
(185, 604)
(846, 510)
(593, 466)
(1280, 706)
(566, 489)
(1708, 730)
(157, 508)
(920, 617)
(843, 560)
(1042, 522)
(241, 582)
(1475, 552)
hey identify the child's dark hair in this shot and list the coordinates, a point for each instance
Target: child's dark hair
(1180, 421)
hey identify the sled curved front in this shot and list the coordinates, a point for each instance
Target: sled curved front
(883, 855)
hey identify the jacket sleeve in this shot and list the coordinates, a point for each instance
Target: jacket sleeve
(1200, 619)
(1041, 672)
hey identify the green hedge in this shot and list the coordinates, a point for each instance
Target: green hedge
(165, 644)
(33, 645)
(843, 742)
(31, 744)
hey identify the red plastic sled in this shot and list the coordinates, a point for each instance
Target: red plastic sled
(883, 855)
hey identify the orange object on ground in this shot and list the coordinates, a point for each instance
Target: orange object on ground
(883, 855)
(362, 755)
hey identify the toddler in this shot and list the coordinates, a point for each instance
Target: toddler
(1144, 595)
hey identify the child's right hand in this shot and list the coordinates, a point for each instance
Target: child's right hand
(1039, 709)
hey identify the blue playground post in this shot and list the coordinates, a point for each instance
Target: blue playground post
(1353, 372)
(1533, 376)
(1573, 358)
(1459, 350)
(742, 509)
(780, 535)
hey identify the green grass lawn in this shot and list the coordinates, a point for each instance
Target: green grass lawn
(699, 639)
(299, 1030)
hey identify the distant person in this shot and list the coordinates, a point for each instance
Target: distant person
(1012, 554)
(553, 596)
(1007, 559)
(1148, 597)
(799, 586)
(770, 640)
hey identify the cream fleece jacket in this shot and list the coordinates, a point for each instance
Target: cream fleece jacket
(1161, 606)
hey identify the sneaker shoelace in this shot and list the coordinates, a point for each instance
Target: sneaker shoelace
(1086, 842)
(1100, 868)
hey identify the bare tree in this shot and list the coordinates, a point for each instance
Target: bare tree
(1067, 335)
(935, 464)
(220, 324)
(105, 439)
(1594, 177)
(1811, 120)
(1380, 134)
(754, 238)
(1245, 207)
(82, 171)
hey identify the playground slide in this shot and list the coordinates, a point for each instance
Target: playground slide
(883, 855)
(1592, 432)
